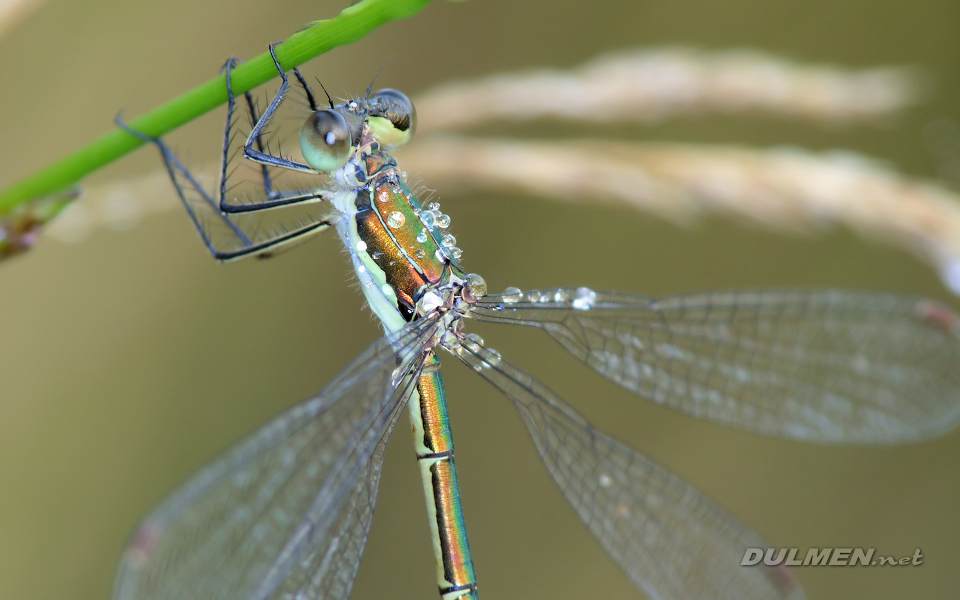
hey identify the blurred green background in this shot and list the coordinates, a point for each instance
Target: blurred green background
(130, 360)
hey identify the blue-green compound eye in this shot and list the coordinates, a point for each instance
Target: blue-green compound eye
(392, 119)
(325, 140)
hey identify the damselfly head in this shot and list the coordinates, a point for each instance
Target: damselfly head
(329, 136)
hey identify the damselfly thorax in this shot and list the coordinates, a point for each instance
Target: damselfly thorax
(400, 249)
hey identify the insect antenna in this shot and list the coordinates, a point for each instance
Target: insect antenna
(329, 99)
(370, 87)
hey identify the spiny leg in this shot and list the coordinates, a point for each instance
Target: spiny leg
(264, 169)
(273, 198)
(309, 92)
(258, 155)
(177, 170)
(248, 247)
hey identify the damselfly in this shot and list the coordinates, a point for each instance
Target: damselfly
(286, 513)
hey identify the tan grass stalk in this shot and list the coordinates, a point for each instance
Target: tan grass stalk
(14, 11)
(651, 84)
(779, 188)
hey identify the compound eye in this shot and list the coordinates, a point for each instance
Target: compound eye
(392, 120)
(325, 140)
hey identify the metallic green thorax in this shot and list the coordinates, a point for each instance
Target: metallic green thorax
(402, 249)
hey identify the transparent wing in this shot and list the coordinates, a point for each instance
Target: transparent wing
(667, 537)
(829, 366)
(287, 511)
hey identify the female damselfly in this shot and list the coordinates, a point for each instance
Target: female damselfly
(286, 513)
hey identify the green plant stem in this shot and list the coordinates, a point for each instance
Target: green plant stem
(350, 25)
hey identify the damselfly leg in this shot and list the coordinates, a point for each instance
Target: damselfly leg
(234, 223)
(255, 138)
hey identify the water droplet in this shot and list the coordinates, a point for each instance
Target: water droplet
(421, 253)
(605, 480)
(561, 295)
(428, 219)
(361, 246)
(449, 241)
(397, 375)
(491, 358)
(383, 196)
(433, 205)
(423, 236)
(473, 342)
(512, 295)
(377, 255)
(457, 252)
(585, 299)
(395, 220)
(443, 221)
(474, 288)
